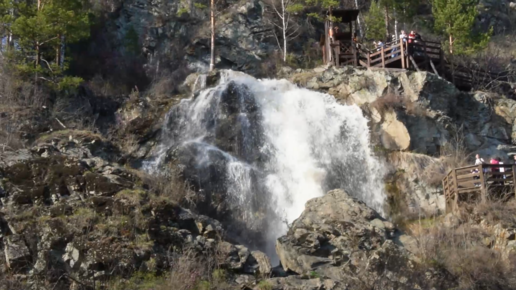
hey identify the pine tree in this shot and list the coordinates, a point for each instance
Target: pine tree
(40, 29)
(374, 21)
(455, 20)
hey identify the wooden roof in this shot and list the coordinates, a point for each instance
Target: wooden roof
(346, 15)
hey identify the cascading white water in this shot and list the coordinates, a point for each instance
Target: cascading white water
(275, 139)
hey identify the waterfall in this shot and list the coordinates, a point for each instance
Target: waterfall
(270, 146)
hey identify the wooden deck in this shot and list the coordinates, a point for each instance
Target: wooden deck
(421, 56)
(478, 183)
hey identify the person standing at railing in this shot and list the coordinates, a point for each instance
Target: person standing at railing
(478, 161)
(494, 160)
(502, 169)
(403, 36)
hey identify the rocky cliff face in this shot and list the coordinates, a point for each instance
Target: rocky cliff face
(418, 111)
(74, 214)
(349, 245)
(178, 32)
(422, 115)
(71, 216)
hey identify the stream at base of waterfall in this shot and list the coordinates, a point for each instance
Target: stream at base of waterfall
(267, 147)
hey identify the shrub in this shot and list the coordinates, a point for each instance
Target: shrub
(265, 285)
(464, 253)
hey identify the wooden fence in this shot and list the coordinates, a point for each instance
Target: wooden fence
(477, 183)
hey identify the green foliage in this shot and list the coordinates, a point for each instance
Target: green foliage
(132, 41)
(455, 20)
(374, 22)
(314, 275)
(219, 275)
(200, 6)
(69, 84)
(203, 285)
(405, 9)
(40, 29)
(265, 285)
(321, 5)
(295, 7)
(182, 11)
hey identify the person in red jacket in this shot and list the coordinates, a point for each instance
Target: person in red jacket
(412, 36)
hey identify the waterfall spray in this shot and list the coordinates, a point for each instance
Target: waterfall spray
(271, 146)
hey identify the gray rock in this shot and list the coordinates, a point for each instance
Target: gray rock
(263, 264)
(17, 253)
(72, 256)
(352, 246)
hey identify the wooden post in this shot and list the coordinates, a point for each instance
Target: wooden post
(413, 62)
(337, 54)
(433, 67)
(514, 178)
(403, 66)
(355, 55)
(368, 59)
(383, 56)
(482, 183)
(446, 196)
(441, 61)
(456, 187)
(426, 57)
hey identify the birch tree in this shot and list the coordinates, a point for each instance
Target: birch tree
(212, 46)
(283, 11)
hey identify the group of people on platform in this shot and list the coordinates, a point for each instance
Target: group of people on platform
(412, 38)
(494, 160)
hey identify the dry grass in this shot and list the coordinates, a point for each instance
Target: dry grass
(19, 101)
(166, 84)
(64, 134)
(395, 101)
(188, 271)
(466, 250)
(168, 186)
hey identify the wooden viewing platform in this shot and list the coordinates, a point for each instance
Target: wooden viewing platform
(419, 55)
(478, 182)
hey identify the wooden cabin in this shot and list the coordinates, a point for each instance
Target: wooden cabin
(339, 46)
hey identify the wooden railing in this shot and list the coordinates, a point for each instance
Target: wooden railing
(478, 182)
(399, 54)
(420, 56)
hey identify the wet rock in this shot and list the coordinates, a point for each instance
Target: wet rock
(264, 265)
(294, 282)
(341, 239)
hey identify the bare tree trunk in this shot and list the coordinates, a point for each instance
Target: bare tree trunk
(284, 31)
(62, 55)
(387, 21)
(451, 44)
(395, 24)
(38, 54)
(212, 16)
(10, 37)
(358, 20)
(58, 54)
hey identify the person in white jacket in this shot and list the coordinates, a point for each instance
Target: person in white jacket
(478, 161)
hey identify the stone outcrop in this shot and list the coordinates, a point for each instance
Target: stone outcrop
(68, 208)
(346, 245)
(417, 108)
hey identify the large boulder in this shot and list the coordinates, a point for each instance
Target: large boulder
(339, 238)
